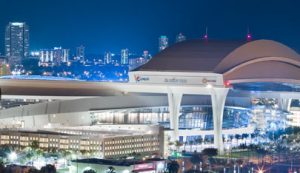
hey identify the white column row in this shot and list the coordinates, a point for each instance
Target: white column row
(218, 98)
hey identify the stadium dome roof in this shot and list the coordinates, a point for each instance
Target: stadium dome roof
(218, 56)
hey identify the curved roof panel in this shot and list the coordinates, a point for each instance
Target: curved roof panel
(192, 55)
(217, 56)
(254, 50)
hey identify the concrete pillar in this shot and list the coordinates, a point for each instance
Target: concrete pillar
(218, 98)
(184, 138)
(174, 100)
(285, 104)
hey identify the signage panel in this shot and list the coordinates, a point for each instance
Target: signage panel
(180, 80)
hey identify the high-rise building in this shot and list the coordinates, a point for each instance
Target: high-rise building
(46, 56)
(107, 58)
(124, 56)
(180, 38)
(16, 42)
(60, 55)
(54, 56)
(163, 42)
(80, 52)
(137, 62)
(146, 55)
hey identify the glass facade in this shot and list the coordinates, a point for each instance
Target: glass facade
(191, 117)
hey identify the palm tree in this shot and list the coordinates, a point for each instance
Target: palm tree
(177, 144)
(191, 144)
(212, 139)
(200, 141)
(231, 138)
(170, 144)
(245, 136)
(252, 135)
(206, 140)
(173, 167)
(237, 137)
(184, 145)
(196, 142)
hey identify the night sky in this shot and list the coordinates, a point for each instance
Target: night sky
(110, 25)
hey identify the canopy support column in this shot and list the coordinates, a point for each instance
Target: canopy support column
(218, 98)
(174, 100)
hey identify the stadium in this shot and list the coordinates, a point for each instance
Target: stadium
(207, 88)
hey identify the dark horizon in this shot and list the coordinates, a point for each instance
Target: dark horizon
(116, 24)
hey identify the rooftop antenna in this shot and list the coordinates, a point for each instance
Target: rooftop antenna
(248, 34)
(206, 33)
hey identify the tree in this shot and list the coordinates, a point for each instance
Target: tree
(110, 169)
(212, 139)
(252, 135)
(89, 171)
(245, 136)
(196, 159)
(200, 140)
(83, 152)
(184, 145)
(231, 138)
(177, 144)
(237, 137)
(196, 142)
(170, 144)
(48, 169)
(191, 144)
(210, 152)
(35, 145)
(173, 167)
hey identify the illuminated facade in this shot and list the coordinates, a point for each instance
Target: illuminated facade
(53, 57)
(193, 88)
(136, 62)
(163, 42)
(107, 58)
(180, 38)
(16, 42)
(124, 56)
(103, 144)
(80, 53)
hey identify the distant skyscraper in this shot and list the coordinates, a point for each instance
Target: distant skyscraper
(80, 52)
(54, 57)
(16, 42)
(136, 62)
(163, 43)
(60, 55)
(107, 58)
(46, 56)
(124, 56)
(180, 38)
(146, 55)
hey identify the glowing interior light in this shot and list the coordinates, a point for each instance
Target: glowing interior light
(205, 36)
(208, 86)
(248, 36)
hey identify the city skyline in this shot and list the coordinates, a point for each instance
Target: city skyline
(106, 20)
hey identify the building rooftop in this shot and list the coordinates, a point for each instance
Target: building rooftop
(216, 56)
(116, 162)
(38, 77)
